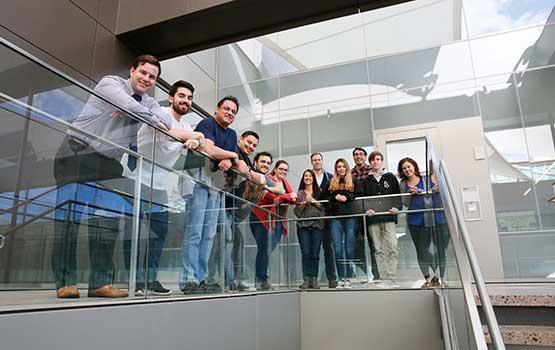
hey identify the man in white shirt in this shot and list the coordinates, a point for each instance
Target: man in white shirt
(166, 152)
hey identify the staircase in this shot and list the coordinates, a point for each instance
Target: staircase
(526, 315)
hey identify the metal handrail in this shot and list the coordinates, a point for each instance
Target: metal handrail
(323, 201)
(487, 307)
(98, 138)
(439, 167)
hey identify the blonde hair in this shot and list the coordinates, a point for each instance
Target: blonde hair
(348, 184)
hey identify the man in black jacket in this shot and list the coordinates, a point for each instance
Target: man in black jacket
(382, 227)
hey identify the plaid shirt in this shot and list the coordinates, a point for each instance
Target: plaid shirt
(362, 173)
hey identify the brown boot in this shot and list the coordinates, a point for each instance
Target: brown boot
(313, 283)
(108, 291)
(306, 283)
(67, 292)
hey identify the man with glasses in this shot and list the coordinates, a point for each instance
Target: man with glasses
(361, 171)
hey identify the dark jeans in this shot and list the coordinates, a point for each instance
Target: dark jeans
(343, 234)
(156, 239)
(238, 251)
(422, 239)
(441, 238)
(77, 167)
(360, 255)
(329, 256)
(310, 239)
(260, 234)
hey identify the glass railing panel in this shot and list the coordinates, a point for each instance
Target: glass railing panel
(461, 324)
(64, 213)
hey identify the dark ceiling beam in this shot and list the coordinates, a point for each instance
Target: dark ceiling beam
(238, 20)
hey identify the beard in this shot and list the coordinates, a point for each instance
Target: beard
(180, 109)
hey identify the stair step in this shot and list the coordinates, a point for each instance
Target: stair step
(526, 335)
(517, 299)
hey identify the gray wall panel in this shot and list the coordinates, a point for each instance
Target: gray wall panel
(111, 57)
(89, 6)
(401, 319)
(44, 56)
(278, 322)
(108, 14)
(58, 27)
(228, 324)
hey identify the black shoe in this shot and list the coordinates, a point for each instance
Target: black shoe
(155, 288)
(213, 288)
(332, 284)
(190, 288)
(237, 287)
(241, 287)
(262, 285)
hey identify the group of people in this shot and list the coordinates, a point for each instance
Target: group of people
(88, 169)
(368, 190)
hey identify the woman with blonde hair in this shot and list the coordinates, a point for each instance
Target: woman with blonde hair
(341, 193)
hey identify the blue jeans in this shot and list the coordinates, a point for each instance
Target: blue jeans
(343, 236)
(199, 235)
(310, 240)
(215, 257)
(260, 234)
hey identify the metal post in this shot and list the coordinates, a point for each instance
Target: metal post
(367, 251)
(222, 215)
(136, 226)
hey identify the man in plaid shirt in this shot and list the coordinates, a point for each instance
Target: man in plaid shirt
(361, 169)
(360, 172)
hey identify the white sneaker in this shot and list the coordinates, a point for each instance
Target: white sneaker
(348, 284)
(340, 284)
(391, 284)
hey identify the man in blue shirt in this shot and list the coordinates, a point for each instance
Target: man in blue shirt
(205, 207)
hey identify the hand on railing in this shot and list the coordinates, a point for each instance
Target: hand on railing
(394, 211)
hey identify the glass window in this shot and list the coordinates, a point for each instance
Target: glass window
(490, 16)
(507, 52)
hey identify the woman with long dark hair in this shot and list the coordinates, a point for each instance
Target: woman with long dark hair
(424, 226)
(341, 193)
(309, 232)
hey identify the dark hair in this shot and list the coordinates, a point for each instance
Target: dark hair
(315, 188)
(142, 59)
(263, 154)
(359, 149)
(316, 154)
(229, 98)
(400, 167)
(374, 154)
(181, 84)
(250, 133)
(278, 163)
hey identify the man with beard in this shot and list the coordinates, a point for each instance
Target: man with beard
(166, 152)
